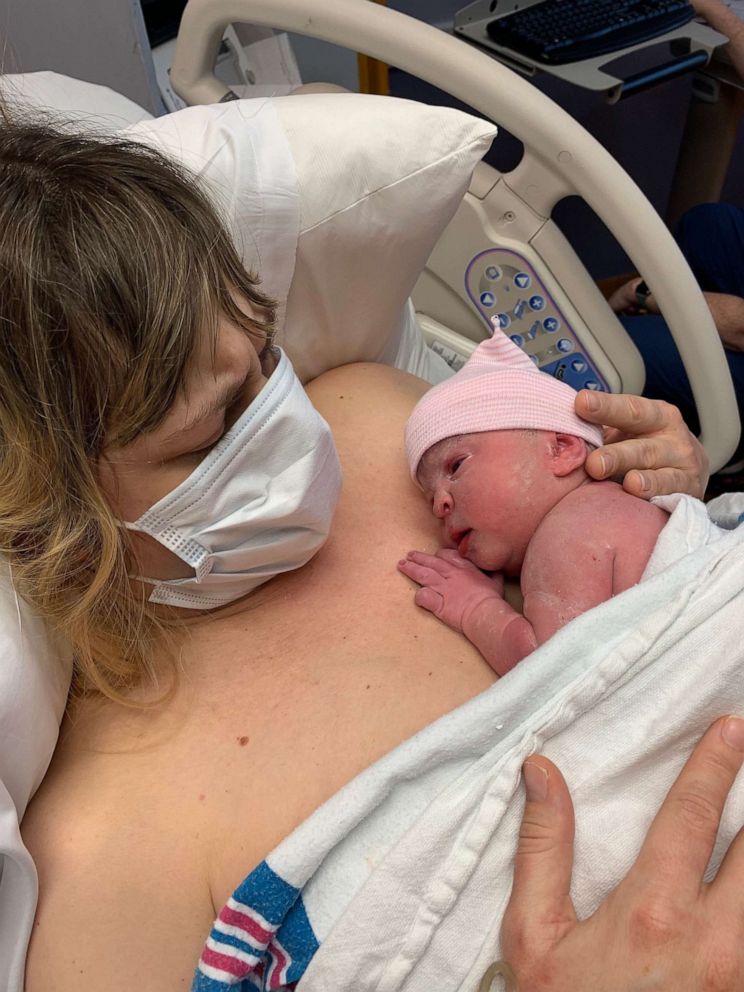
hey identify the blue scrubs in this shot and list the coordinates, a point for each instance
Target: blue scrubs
(711, 237)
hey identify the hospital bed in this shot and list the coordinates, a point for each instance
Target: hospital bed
(502, 244)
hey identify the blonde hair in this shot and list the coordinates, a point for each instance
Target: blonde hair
(112, 263)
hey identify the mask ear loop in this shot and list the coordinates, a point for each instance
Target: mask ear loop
(269, 355)
(499, 969)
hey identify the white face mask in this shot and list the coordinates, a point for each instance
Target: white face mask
(260, 503)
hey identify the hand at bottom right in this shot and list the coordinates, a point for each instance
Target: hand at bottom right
(663, 929)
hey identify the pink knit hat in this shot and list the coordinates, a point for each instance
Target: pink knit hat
(498, 389)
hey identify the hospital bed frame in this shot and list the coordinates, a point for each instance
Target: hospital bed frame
(503, 228)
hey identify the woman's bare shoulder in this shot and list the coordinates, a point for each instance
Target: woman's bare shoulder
(365, 376)
(368, 400)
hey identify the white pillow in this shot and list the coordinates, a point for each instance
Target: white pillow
(363, 184)
(71, 101)
(379, 180)
(35, 676)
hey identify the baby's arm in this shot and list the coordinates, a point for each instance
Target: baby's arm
(466, 599)
(565, 583)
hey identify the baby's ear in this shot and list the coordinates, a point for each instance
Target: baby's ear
(568, 453)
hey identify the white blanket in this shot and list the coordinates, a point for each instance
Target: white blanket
(399, 882)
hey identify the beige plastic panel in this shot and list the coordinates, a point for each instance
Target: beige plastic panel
(556, 143)
(501, 218)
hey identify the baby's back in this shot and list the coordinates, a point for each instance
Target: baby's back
(593, 545)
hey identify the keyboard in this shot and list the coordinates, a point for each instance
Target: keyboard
(560, 31)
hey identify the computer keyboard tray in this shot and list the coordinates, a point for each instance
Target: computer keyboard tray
(470, 24)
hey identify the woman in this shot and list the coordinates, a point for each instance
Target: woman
(135, 359)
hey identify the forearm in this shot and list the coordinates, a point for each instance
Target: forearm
(502, 635)
(727, 311)
(723, 20)
(728, 316)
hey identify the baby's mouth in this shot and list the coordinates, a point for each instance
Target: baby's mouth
(455, 534)
(463, 542)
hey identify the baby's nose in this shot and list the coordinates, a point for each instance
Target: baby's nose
(441, 502)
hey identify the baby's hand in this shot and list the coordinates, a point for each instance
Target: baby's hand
(451, 586)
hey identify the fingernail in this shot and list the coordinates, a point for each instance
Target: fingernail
(602, 464)
(733, 732)
(644, 484)
(591, 401)
(535, 781)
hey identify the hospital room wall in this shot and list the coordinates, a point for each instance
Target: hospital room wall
(100, 41)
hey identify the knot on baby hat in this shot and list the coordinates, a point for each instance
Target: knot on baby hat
(498, 389)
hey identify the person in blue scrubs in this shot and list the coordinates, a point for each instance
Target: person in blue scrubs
(711, 237)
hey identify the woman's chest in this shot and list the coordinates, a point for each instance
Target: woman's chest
(274, 713)
(297, 725)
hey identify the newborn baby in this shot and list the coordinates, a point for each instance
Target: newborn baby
(500, 453)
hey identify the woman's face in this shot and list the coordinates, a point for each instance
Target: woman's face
(220, 384)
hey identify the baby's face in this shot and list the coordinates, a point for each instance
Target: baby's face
(488, 490)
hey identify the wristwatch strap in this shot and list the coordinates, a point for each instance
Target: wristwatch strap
(642, 293)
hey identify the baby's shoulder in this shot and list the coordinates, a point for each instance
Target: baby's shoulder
(604, 508)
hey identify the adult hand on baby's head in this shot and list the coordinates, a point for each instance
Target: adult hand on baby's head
(663, 927)
(646, 443)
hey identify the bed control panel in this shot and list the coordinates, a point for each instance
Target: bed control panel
(506, 291)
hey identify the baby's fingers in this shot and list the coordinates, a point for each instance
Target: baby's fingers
(439, 565)
(453, 557)
(418, 568)
(429, 599)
